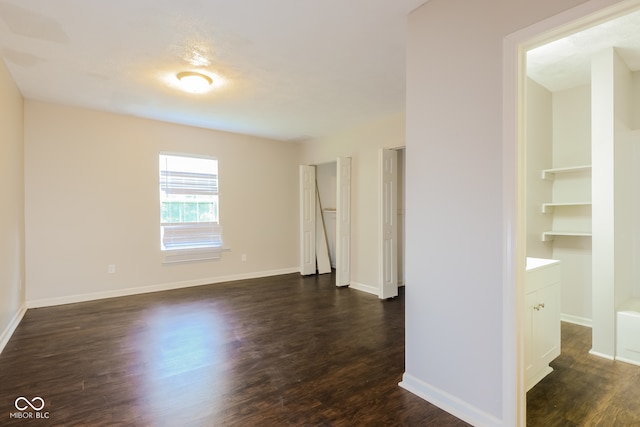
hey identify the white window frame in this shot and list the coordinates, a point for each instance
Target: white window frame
(188, 241)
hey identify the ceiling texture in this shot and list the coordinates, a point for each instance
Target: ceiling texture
(292, 70)
(566, 63)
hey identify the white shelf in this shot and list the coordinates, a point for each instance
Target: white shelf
(549, 235)
(568, 218)
(548, 207)
(549, 174)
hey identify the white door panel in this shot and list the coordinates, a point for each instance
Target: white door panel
(388, 198)
(307, 220)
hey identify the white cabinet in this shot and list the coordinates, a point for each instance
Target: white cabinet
(571, 204)
(542, 319)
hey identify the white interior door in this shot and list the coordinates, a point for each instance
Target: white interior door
(388, 200)
(307, 220)
(343, 221)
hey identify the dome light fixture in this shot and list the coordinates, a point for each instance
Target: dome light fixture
(194, 82)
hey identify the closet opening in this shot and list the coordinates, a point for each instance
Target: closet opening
(325, 219)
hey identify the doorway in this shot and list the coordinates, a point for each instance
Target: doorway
(325, 207)
(586, 106)
(516, 46)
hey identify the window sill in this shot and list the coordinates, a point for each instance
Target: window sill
(191, 255)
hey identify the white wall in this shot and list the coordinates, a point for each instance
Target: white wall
(12, 212)
(539, 128)
(455, 218)
(612, 195)
(635, 183)
(635, 94)
(572, 127)
(626, 192)
(326, 179)
(361, 144)
(572, 147)
(92, 200)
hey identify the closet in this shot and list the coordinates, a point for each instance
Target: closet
(325, 219)
(326, 181)
(583, 154)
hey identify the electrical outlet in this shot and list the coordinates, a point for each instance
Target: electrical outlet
(111, 268)
(244, 257)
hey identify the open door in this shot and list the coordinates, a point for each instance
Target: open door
(388, 211)
(343, 221)
(307, 220)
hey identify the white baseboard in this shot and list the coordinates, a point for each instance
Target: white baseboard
(11, 327)
(364, 288)
(630, 361)
(69, 299)
(449, 403)
(582, 321)
(604, 356)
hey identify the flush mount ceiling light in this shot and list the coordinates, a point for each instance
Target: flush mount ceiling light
(194, 82)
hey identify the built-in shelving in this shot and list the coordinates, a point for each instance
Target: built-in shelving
(549, 174)
(570, 217)
(547, 236)
(548, 207)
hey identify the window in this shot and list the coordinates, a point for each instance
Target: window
(189, 223)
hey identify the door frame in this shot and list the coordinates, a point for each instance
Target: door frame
(343, 220)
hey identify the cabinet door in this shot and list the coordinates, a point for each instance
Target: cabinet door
(547, 328)
(531, 357)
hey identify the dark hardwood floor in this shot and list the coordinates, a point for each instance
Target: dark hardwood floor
(268, 352)
(585, 390)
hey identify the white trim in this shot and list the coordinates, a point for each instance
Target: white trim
(11, 327)
(449, 403)
(576, 320)
(513, 231)
(364, 288)
(69, 299)
(604, 356)
(625, 360)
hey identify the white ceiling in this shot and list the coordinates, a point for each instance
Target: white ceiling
(566, 63)
(294, 69)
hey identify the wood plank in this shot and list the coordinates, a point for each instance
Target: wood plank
(584, 390)
(285, 350)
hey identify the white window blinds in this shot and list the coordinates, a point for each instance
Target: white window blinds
(189, 224)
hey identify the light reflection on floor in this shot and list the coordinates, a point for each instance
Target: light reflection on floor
(185, 357)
